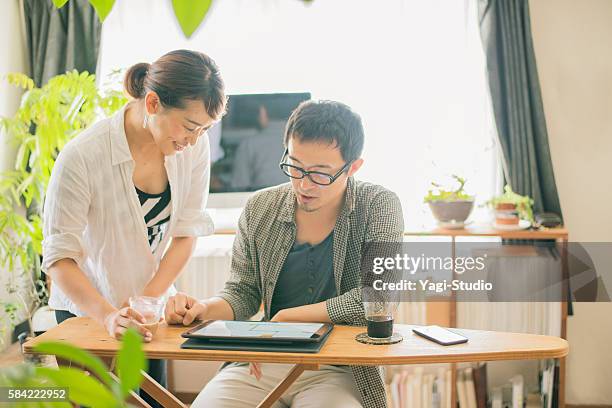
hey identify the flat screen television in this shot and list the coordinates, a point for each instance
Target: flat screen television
(247, 145)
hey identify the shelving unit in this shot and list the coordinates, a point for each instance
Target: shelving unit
(561, 235)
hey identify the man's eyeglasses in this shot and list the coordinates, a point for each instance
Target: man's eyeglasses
(317, 177)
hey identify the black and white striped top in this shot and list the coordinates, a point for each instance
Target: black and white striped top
(156, 212)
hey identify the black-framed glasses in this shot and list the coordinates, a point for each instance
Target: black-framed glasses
(317, 177)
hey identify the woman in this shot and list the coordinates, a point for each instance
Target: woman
(129, 187)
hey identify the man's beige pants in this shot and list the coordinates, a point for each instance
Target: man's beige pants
(234, 387)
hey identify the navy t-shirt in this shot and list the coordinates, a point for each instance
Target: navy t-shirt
(307, 276)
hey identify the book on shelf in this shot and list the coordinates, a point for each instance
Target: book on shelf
(420, 387)
(415, 387)
(427, 390)
(555, 390)
(547, 380)
(404, 383)
(517, 391)
(436, 396)
(461, 391)
(388, 394)
(534, 400)
(448, 390)
(470, 391)
(480, 384)
(497, 400)
(395, 384)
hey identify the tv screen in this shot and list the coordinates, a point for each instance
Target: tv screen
(247, 145)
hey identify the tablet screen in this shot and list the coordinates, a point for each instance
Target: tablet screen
(221, 328)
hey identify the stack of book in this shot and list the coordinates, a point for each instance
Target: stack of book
(413, 387)
(431, 387)
(549, 375)
(512, 394)
(472, 386)
(514, 398)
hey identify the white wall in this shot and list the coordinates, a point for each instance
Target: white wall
(13, 58)
(573, 44)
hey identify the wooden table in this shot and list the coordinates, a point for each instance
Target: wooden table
(341, 348)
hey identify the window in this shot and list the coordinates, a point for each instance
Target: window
(414, 70)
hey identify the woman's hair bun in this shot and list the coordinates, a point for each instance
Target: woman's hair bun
(134, 80)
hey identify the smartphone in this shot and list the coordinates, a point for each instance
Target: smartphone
(440, 335)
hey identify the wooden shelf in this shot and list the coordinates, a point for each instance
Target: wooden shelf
(485, 230)
(471, 231)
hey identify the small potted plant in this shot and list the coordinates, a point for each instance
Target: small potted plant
(511, 208)
(450, 207)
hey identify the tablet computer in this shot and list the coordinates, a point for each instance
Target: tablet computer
(254, 331)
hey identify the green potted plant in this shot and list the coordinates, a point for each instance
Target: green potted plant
(48, 117)
(100, 389)
(450, 207)
(510, 208)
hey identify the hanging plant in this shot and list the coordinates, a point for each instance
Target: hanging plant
(189, 13)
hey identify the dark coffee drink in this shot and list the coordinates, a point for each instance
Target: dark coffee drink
(380, 327)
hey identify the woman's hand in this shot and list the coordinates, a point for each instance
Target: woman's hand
(117, 322)
(184, 309)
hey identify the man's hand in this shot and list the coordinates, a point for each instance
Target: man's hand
(184, 309)
(316, 312)
(282, 316)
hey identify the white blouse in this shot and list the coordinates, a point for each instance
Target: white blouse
(92, 213)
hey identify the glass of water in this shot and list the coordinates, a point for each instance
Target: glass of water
(151, 308)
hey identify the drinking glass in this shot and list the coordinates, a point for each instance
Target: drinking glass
(379, 317)
(151, 308)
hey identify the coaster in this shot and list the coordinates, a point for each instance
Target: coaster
(363, 338)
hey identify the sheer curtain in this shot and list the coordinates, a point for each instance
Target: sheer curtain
(414, 70)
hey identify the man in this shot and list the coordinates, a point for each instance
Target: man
(298, 251)
(256, 158)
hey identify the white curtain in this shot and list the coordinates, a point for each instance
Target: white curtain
(414, 70)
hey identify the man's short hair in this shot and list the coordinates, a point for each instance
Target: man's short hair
(327, 121)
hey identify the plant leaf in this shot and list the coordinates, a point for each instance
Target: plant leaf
(79, 356)
(102, 7)
(20, 80)
(190, 14)
(83, 389)
(59, 3)
(24, 376)
(130, 361)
